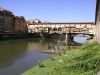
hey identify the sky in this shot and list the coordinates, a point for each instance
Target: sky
(53, 10)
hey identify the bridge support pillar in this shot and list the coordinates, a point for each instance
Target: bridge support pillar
(68, 38)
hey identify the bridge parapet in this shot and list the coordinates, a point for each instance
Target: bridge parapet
(58, 32)
(88, 28)
(61, 32)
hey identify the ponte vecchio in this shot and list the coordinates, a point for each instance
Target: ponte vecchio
(60, 28)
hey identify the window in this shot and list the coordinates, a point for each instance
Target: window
(54, 29)
(59, 29)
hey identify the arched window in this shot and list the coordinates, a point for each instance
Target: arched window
(49, 28)
(54, 29)
(59, 29)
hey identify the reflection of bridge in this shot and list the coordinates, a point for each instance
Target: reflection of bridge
(60, 28)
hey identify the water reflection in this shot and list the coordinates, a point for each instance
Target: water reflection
(11, 51)
(17, 56)
(80, 38)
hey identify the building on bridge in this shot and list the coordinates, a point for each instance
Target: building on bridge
(87, 27)
(31, 21)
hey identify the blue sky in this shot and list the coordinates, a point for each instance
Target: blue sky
(53, 10)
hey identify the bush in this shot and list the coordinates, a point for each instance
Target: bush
(52, 58)
(89, 45)
(41, 64)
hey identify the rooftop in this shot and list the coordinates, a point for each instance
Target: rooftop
(66, 23)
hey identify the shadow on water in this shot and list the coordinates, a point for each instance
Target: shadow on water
(11, 51)
(17, 56)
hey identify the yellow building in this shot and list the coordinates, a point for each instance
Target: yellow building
(6, 21)
(20, 24)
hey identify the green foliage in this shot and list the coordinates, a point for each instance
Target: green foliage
(89, 45)
(85, 56)
(88, 61)
(52, 58)
(85, 61)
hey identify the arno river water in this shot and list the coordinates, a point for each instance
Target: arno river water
(17, 56)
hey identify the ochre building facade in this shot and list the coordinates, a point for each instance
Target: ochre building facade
(20, 24)
(6, 21)
(9, 23)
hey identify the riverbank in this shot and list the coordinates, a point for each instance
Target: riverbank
(83, 61)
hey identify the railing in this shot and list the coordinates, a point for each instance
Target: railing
(61, 32)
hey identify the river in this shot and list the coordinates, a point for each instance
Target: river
(17, 56)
